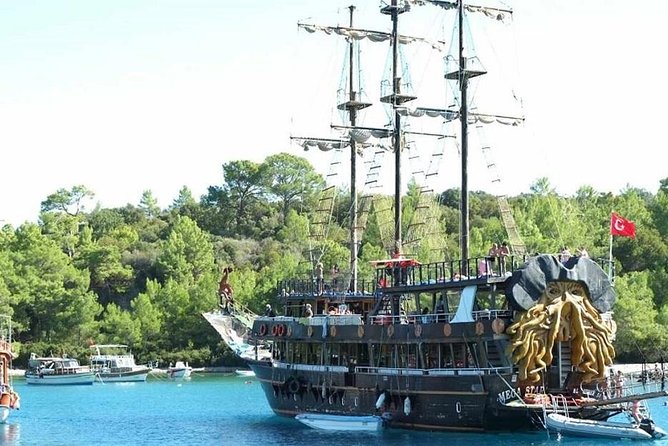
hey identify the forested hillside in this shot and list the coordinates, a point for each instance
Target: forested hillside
(142, 276)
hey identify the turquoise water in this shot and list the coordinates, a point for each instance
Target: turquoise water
(209, 410)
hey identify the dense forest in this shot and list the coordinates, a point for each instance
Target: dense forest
(142, 275)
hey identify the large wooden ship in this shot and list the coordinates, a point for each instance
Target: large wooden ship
(474, 344)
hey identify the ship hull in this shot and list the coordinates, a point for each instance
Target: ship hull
(454, 403)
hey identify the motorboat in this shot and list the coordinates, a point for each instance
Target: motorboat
(348, 423)
(114, 363)
(645, 430)
(180, 370)
(51, 370)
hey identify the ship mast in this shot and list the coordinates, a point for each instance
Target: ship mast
(352, 105)
(353, 169)
(463, 117)
(396, 99)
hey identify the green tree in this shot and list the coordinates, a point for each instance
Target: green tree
(635, 314)
(187, 253)
(149, 205)
(71, 201)
(53, 298)
(119, 327)
(292, 181)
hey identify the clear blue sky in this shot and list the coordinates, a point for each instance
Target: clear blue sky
(124, 96)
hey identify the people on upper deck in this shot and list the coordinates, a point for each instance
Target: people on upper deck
(319, 277)
(582, 252)
(268, 311)
(440, 309)
(335, 276)
(564, 254)
(492, 254)
(308, 311)
(504, 252)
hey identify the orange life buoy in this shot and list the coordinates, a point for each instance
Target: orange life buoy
(332, 331)
(263, 329)
(281, 330)
(274, 330)
(447, 330)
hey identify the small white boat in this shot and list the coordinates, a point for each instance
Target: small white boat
(180, 370)
(114, 363)
(591, 428)
(370, 423)
(245, 373)
(57, 371)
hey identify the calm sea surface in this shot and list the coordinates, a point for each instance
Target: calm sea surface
(210, 409)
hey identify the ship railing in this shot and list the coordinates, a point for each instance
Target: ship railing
(337, 288)
(394, 274)
(404, 371)
(433, 318)
(319, 320)
(311, 367)
(335, 319)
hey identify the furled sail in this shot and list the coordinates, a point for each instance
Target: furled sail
(502, 15)
(373, 36)
(451, 115)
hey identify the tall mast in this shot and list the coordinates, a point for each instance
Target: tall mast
(463, 116)
(396, 99)
(397, 130)
(352, 105)
(353, 170)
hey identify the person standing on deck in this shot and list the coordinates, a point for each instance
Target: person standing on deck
(319, 278)
(504, 252)
(492, 254)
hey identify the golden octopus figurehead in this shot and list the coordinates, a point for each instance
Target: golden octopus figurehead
(561, 302)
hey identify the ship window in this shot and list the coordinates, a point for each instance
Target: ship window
(314, 353)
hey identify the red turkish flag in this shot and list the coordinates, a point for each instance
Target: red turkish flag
(621, 226)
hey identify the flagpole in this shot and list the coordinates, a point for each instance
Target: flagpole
(610, 258)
